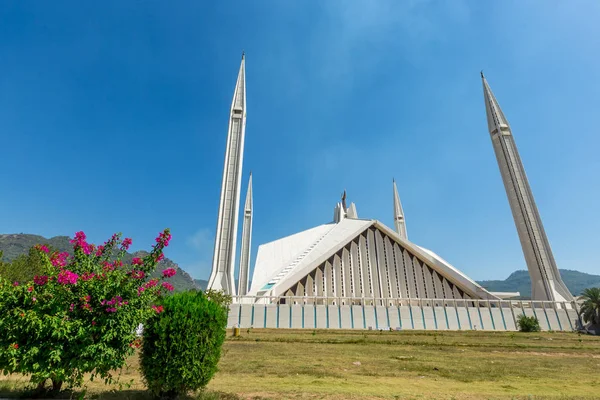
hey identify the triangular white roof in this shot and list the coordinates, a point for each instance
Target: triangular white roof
(282, 263)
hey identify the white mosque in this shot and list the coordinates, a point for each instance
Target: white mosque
(346, 272)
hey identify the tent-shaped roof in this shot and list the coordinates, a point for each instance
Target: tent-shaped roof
(284, 262)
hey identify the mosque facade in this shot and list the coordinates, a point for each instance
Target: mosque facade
(351, 267)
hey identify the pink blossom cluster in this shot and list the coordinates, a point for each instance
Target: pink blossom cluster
(107, 266)
(42, 247)
(86, 302)
(137, 261)
(126, 243)
(158, 309)
(59, 259)
(80, 243)
(113, 303)
(100, 251)
(168, 286)
(169, 272)
(138, 274)
(66, 277)
(87, 276)
(163, 238)
(151, 283)
(40, 280)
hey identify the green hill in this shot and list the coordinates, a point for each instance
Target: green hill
(14, 245)
(201, 283)
(519, 281)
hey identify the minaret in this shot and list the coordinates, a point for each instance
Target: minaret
(221, 277)
(399, 214)
(546, 283)
(246, 243)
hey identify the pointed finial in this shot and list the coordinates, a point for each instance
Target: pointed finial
(393, 180)
(482, 74)
(243, 54)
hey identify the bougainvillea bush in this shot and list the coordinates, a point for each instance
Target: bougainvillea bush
(80, 316)
(182, 345)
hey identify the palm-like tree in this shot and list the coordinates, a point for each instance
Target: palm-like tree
(590, 309)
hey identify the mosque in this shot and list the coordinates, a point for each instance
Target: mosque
(353, 267)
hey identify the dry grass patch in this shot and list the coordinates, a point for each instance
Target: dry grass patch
(288, 364)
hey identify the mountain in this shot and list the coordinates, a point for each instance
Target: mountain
(14, 245)
(519, 281)
(201, 283)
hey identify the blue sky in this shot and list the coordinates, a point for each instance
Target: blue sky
(113, 117)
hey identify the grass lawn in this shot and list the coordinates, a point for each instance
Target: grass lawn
(293, 364)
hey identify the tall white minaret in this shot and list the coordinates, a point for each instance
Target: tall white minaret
(246, 242)
(221, 277)
(399, 221)
(546, 283)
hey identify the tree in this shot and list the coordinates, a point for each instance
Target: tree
(80, 315)
(590, 309)
(24, 267)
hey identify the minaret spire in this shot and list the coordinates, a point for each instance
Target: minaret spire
(246, 243)
(399, 221)
(546, 282)
(221, 277)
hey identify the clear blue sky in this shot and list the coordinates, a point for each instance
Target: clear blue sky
(113, 117)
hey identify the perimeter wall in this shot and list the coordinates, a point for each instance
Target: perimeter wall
(399, 314)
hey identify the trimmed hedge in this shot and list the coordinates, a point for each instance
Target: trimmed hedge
(182, 344)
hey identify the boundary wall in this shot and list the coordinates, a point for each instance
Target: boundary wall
(399, 314)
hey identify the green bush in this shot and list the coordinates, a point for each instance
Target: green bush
(182, 345)
(528, 324)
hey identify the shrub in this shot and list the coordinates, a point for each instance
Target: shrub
(182, 345)
(80, 315)
(528, 324)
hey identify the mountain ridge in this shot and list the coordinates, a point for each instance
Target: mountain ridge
(519, 281)
(16, 244)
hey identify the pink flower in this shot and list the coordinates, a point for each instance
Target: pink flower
(151, 283)
(158, 309)
(66, 277)
(87, 276)
(42, 247)
(30, 289)
(16, 283)
(100, 251)
(140, 290)
(93, 322)
(138, 274)
(168, 286)
(169, 272)
(111, 309)
(34, 299)
(79, 243)
(40, 280)
(126, 243)
(71, 307)
(137, 261)
(160, 257)
(59, 259)
(163, 239)
(16, 346)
